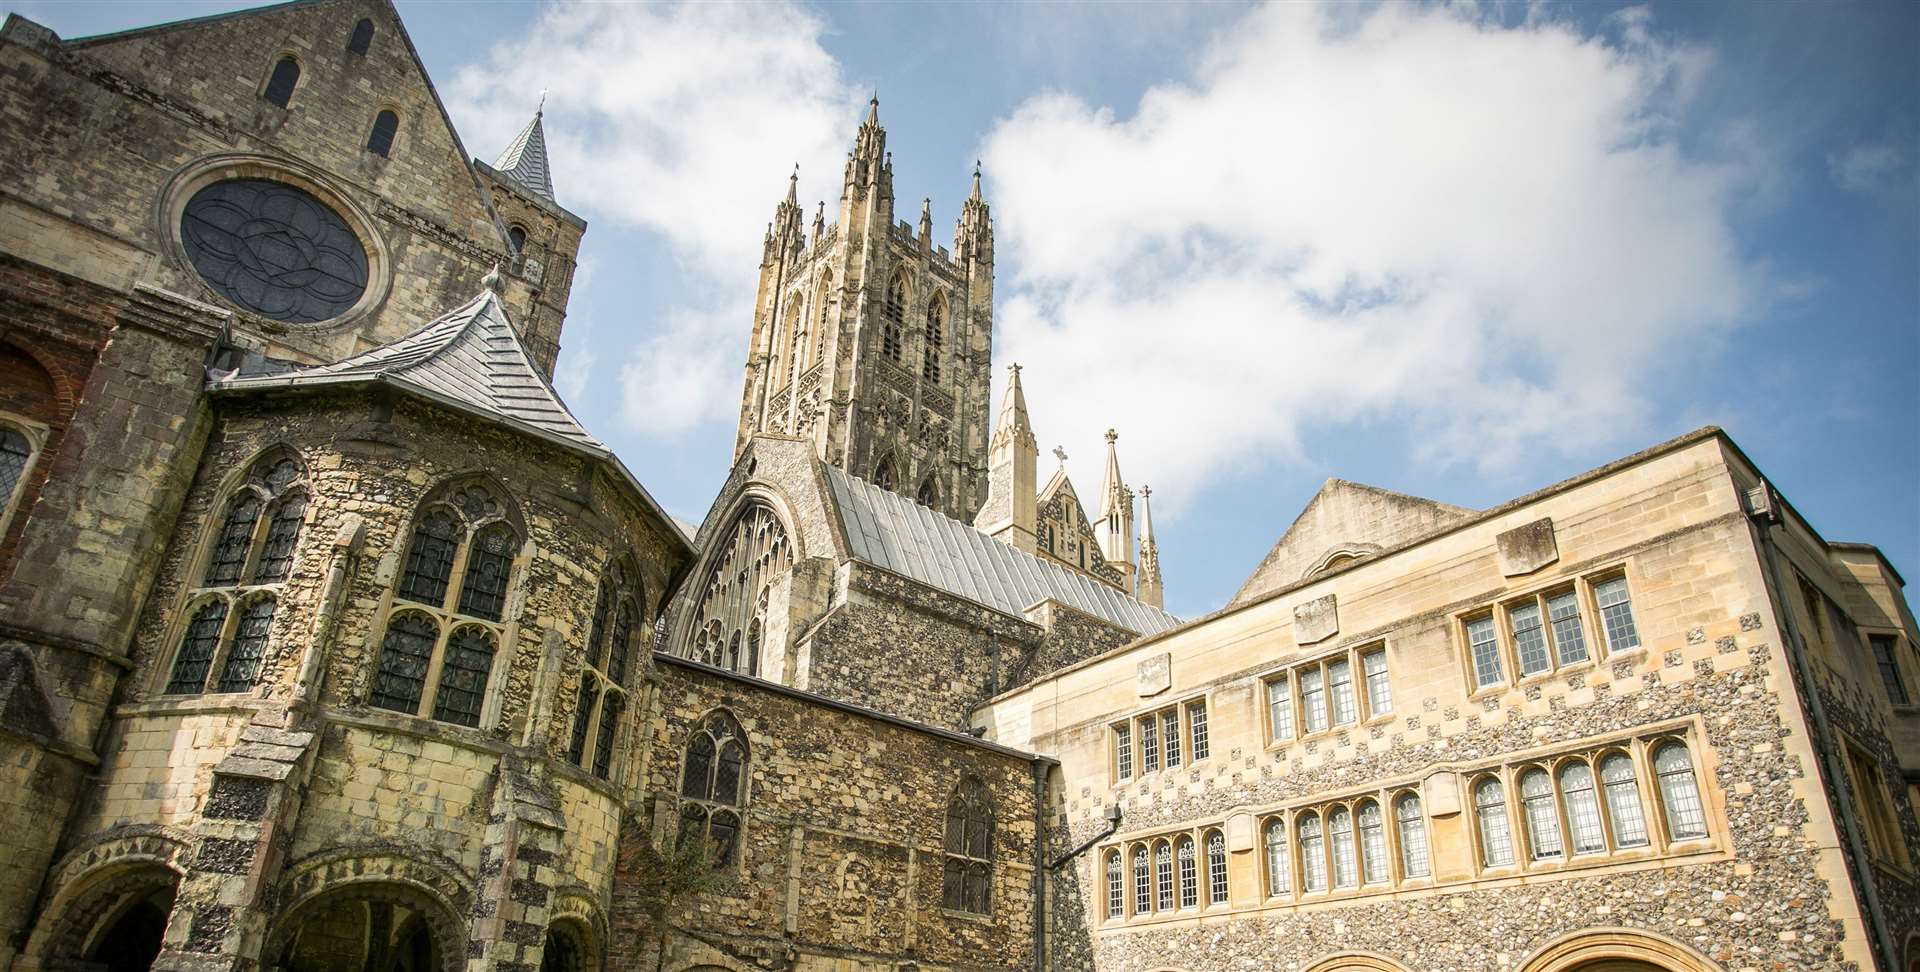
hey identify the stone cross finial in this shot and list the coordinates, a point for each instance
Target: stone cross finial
(1014, 368)
(1146, 490)
(1112, 436)
(1058, 452)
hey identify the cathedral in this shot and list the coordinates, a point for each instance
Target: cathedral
(332, 641)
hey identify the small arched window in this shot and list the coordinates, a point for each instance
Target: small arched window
(1142, 882)
(15, 452)
(883, 475)
(1340, 835)
(280, 84)
(1623, 801)
(1374, 866)
(361, 38)
(713, 788)
(1414, 856)
(603, 675)
(252, 554)
(893, 329)
(966, 884)
(1279, 871)
(1679, 794)
(1189, 874)
(1216, 868)
(936, 340)
(437, 655)
(1116, 887)
(1543, 819)
(517, 238)
(1496, 834)
(380, 139)
(1313, 854)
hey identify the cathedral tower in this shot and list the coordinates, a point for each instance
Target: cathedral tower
(874, 343)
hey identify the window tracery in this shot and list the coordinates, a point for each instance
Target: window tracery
(893, 323)
(968, 877)
(16, 453)
(617, 617)
(727, 625)
(437, 653)
(230, 612)
(713, 788)
(936, 339)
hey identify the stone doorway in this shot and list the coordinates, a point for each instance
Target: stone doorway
(117, 924)
(368, 928)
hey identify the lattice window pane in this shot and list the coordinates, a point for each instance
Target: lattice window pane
(1543, 819)
(1340, 832)
(1123, 752)
(1280, 709)
(1149, 744)
(1496, 835)
(1485, 647)
(1373, 843)
(1616, 614)
(610, 709)
(1379, 686)
(195, 656)
(953, 895)
(620, 645)
(1216, 868)
(696, 777)
(1529, 639)
(463, 677)
(1568, 637)
(1346, 709)
(1142, 883)
(1583, 808)
(283, 532)
(727, 773)
(483, 592)
(236, 539)
(597, 629)
(583, 719)
(1189, 876)
(1170, 731)
(15, 450)
(1313, 855)
(1413, 837)
(1163, 878)
(1313, 700)
(1686, 818)
(242, 669)
(1116, 888)
(404, 654)
(1883, 658)
(1623, 801)
(430, 559)
(1197, 723)
(1279, 871)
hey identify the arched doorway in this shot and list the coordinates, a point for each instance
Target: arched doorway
(566, 948)
(368, 928)
(130, 941)
(116, 922)
(1617, 950)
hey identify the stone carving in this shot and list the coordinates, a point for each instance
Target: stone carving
(1527, 548)
(274, 250)
(1315, 620)
(1155, 675)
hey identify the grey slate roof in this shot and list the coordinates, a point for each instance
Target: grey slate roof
(470, 358)
(890, 531)
(525, 160)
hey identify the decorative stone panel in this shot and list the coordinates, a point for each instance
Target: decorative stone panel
(1155, 675)
(1527, 548)
(1316, 620)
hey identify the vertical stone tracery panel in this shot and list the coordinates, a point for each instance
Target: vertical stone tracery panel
(733, 603)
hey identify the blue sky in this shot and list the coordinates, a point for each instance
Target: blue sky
(1461, 252)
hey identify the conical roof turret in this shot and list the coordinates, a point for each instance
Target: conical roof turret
(525, 160)
(1014, 426)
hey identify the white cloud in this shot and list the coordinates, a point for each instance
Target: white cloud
(663, 117)
(1877, 168)
(1416, 214)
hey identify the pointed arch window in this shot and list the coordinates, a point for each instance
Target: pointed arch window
(1543, 821)
(713, 788)
(280, 84)
(16, 454)
(1216, 868)
(361, 39)
(1496, 834)
(1142, 882)
(1279, 870)
(968, 876)
(1313, 854)
(817, 349)
(929, 496)
(936, 340)
(617, 619)
(1679, 794)
(883, 475)
(1623, 801)
(225, 637)
(517, 238)
(438, 651)
(894, 317)
(731, 614)
(1189, 874)
(386, 124)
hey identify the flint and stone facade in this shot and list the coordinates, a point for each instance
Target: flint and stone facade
(330, 641)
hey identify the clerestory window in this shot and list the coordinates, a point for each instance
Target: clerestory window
(967, 881)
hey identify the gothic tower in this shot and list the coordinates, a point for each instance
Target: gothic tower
(874, 343)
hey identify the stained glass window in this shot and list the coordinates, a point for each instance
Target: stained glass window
(430, 558)
(236, 539)
(195, 656)
(280, 85)
(463, 676)
(15, 450)
(274, 250)
(380, 139)
(404, 655)
(283, 531)
(242, 669)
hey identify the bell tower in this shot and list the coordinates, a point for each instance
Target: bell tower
(874, 342)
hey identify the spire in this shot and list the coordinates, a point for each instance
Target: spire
(1150, 588)
(1013, 413)
(820, 222)
(873, 109)
(926, 221)
(793, 186)
(976, 197)
(525, 160)
(1011, 511)
(973, 235)
(1116, 512)
(1113, 485)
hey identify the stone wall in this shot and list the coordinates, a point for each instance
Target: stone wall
(842, 860)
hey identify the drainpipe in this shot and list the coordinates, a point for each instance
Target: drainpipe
(1039, 864)
(1763, 509)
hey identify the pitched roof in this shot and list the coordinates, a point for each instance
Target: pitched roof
(892, 532)
(470, 358)
(525, 160)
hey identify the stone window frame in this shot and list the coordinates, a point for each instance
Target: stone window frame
(971, 804)
(788, 323)
(595, 745)
(1659, 842)
(707, 805)
(719, 624)
(373, 130)
(1886, 841)
(1127, 850)
(934, 336)
(1900, 656)
(1127, 737)
(36, 434)
(254, 482)
(301, 70)
(896, 303)
(1113, 885)
(448, 617)
(359, 42)
(1290, 888)
(1593, 631)
(1286, 679)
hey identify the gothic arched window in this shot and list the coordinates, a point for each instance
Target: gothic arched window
(817, 349)
(438, 651)
(713, 787)
(1413, 837)
(1279, 871)
(603, 676)
(733, 604)
(380, 141)
(929, 496)
(1216, 868)
(893, 329)
(280, 85)
(517, 238)
(251, 555)
(785, 343)
(16, 452)
(361, 38)
(968, 877)
(884, 476)
(936, 339)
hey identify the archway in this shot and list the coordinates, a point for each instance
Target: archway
(1617, 950)
(130, 941)
(117, 922)
(369, 927)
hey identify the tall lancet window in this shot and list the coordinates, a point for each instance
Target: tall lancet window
(936, 339)
(726, 629)
(611, 638)
(893, 325)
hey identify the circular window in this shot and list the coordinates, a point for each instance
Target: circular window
(274, 250)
